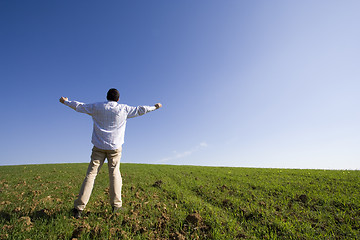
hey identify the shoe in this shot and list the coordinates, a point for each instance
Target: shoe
(116, 209)
(77, 213)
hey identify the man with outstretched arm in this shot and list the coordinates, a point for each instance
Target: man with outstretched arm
(108, 136)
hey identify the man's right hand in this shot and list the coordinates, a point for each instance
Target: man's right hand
(63, 99)
(158, 105)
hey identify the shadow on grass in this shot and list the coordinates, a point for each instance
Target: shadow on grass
(6, 216)
(44, 214)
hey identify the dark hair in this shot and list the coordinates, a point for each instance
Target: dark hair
(113, 95)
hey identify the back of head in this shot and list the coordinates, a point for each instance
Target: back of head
(113, 95)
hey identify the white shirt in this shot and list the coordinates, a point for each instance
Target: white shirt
(109, 121)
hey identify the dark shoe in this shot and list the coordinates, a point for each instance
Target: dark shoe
(116, 209)
(77, 213)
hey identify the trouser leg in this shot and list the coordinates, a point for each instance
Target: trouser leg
(115, 177)
(97, 159)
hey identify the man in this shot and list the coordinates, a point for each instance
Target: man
(109, 120)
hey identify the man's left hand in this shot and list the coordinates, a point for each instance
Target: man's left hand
(63, 99)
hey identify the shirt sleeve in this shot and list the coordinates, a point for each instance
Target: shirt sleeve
(80, 107)
(138, 111)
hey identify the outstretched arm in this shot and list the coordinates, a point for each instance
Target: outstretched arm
(141, 110)
(77, 106)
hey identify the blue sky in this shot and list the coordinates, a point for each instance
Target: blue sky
(243, 83)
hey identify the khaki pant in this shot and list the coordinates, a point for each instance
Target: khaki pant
(98, 157)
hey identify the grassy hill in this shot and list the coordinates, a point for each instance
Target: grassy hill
(181, 202)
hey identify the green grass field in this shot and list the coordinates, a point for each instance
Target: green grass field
(181, 202)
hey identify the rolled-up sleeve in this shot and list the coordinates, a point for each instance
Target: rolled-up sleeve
(80, 107)
(138, 111)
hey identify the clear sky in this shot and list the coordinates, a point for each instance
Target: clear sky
(243, 83)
